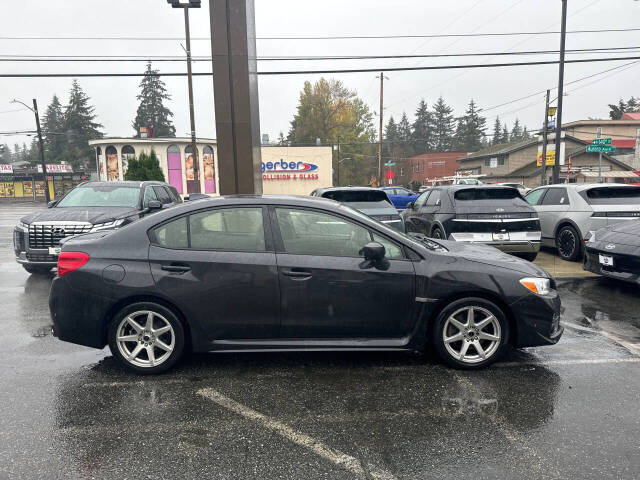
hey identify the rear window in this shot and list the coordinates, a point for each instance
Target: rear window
(357, 196)
(476, 194)
(612, 195)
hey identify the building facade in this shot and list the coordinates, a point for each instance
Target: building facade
(285, 170)
(429, 166)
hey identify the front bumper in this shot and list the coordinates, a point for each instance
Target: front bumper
(537, 320)
(626, 264)
(29, 256)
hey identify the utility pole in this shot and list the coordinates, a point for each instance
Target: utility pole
(563, 35)
(41, 145)
(338, 164)
(380, 132)
(194, 148)
(543, 172)
(598, 135)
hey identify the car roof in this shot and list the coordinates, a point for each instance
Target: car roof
(125, 183)
(579, 187)
(352, 189)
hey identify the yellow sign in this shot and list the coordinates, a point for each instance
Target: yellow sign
(551, 158)
(552, 111)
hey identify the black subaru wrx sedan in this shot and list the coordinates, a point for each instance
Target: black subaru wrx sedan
(292, 273)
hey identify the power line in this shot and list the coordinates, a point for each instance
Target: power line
(159, 58)
(323, 71)
(327, 37)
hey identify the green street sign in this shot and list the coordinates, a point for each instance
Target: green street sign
(600, 149)
(601, 141)
(390, 164)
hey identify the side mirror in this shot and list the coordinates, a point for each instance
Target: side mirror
(52, 203)
(373, 251)
(410, 206)
(154, 205)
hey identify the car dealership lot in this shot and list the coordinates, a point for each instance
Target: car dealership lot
(554, 412)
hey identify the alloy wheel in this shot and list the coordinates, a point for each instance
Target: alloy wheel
(472, 334)
(567, 243)
(145, 338)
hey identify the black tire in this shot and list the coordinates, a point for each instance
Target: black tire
(529, 256)
(161, 317)
(37, 269)
(459, 310)
(568, 244)
(437, 233)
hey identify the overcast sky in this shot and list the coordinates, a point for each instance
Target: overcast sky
(115, 102)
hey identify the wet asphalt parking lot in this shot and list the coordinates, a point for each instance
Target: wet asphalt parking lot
(567, 411)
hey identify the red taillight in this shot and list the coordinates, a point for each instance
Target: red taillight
(70, 261)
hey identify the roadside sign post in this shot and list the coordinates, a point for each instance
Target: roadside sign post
(599, 134)
(599, 145)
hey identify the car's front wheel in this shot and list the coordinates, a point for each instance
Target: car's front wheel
(437, 233)
(37, 269)
(470, 333)
(146, 337)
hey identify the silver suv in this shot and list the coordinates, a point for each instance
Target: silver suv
(569, 211)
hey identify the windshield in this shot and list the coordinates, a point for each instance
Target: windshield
(357, 196)
(612, 196)
(101, 196)
(476, 194)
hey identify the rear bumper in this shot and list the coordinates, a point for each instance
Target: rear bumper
(78, 316)
(516, 244)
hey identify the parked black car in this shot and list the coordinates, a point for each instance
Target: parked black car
(493, 215)
(292, 273)
(90, 207)
(614, 251)
(370, 201)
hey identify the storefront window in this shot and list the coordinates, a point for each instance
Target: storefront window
(112, 163)
(174, 166)
(209, 170)
(128, 153)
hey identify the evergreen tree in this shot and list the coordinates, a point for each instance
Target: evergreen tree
(5, 153)
(281, 140)
(525, 133)
(495, 139)
(504, 138)
(470, 130)
(53, 132)
(80, 127)
(151, 110)
(145, 167)
(422, 129)
(390, 136)
(443, 126)
(516, 131)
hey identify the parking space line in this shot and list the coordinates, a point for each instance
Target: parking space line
(632, 347)
(575, 361)
(335, 456)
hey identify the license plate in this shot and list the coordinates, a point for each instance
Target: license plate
(501, 236)
(54, 250)
(606, 260)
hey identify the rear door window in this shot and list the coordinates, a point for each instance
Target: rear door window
(556, 196)
(612, 195)
(229, 229)
(534, 197)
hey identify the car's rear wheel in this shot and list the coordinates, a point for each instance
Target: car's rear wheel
(37, 269)
(437, 233)
(470, 333)
(146, 337)
(568, 243)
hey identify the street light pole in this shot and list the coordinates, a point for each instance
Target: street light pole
(563, 35)
(543, 163)
(194, 148)
(40, 144)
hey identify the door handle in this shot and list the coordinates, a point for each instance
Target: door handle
(176, 268)
(294, 273)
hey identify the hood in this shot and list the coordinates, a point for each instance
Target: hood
(477, 252)
(80, 214)
(624, 233)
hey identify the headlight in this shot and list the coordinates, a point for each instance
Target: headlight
(538, 285)
(107, 225)
(21, 224)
